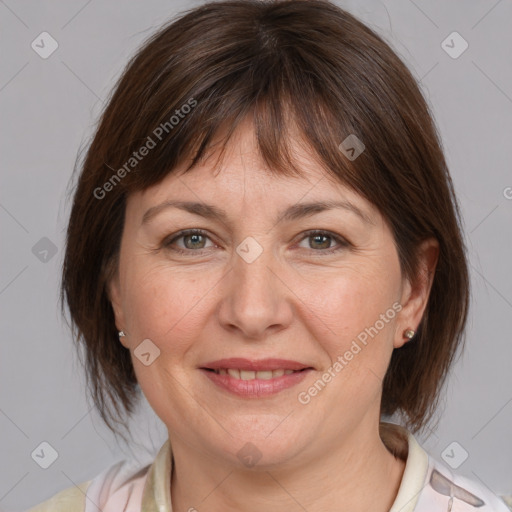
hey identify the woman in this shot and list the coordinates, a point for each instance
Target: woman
(265, 239)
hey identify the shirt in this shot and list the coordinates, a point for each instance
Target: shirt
(427, 485)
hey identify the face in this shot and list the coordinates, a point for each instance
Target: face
(320, 290)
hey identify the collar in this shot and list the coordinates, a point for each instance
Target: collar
(157, 494)
(157, 490)
(415, 473)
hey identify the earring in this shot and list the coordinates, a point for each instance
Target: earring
(409, 334)
(122, 334)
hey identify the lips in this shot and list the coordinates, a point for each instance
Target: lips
(255, 378)
(237, 373)
(269, 364)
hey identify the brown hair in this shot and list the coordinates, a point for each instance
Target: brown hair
(305, 65)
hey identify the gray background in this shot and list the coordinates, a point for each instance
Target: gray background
(48, 108)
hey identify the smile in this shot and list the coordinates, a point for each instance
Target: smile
(254, 384)
(250, 375)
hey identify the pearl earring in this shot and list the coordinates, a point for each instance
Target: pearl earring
(409, 334)
(122, 334)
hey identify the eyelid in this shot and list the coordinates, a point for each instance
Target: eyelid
(342, 241)
(185, 232)
(311, 232)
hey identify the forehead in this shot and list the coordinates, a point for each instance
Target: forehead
(242, 176)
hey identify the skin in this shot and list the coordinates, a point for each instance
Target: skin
(295, 302)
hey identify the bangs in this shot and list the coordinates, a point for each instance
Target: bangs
(194, 95)
(283, 112)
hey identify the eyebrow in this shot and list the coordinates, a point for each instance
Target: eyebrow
(294, 212)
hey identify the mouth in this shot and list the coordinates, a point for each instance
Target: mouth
(255, 379)
(237, 373)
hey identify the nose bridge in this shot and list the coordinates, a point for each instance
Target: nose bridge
(255, 299)
(252, 276)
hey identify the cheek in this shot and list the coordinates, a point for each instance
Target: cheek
(354, 317)
(349, 304)
(165, 305)
(353, 320)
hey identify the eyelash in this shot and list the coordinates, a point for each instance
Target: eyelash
(343, 244)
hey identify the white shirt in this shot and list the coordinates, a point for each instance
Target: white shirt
(427, 486)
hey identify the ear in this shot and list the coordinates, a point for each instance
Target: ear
(416, 291)
(114, 295)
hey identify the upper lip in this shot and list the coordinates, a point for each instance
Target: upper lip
(241, 363)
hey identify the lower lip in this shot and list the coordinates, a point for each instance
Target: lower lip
(256, 388)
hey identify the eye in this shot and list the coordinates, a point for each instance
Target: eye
(320, 241)
(194, 240)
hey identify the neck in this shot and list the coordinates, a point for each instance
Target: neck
(343, 474)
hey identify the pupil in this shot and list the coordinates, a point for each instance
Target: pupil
(195, 239)
(318, 237)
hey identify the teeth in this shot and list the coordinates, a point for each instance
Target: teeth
(234, 373)
(264, 374)
(250, 375)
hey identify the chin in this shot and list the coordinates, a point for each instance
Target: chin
(263, 445)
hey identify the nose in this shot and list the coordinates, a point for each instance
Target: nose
(256, 299)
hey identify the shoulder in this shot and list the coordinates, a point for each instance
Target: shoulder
(68, 500)
(112, 490)
(445, 490)
(429, 485)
